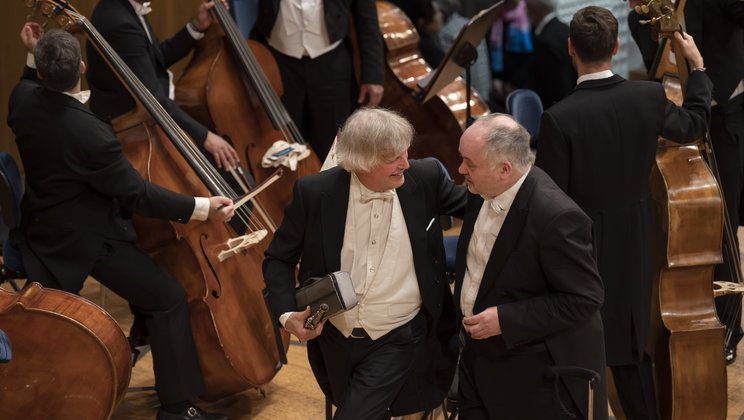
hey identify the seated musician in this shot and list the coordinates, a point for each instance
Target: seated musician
(377, 218)
(125, 26)
(80, 194)
(599, 144)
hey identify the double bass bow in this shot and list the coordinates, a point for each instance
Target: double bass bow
(218, 266)
(688, 339)
(233, 86)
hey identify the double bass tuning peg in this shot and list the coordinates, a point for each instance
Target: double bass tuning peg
(642, 9)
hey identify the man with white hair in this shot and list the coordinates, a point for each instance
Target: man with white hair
(376, 216)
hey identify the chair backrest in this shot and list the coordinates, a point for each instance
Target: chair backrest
(6, 352)
(11, 190)
(526, 107)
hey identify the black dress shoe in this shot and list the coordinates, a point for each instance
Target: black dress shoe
(730, 355)
(191, 413)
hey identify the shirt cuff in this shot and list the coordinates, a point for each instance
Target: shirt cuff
(30, 61)
(194, 32)
(201, 209)
(284, 317)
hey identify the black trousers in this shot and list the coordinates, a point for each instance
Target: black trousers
(319, 94)
(363, 376)
(133, 275)
(512, 387)
(727, 135)
(635, 389)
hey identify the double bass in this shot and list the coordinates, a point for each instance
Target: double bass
(218, 265)
(687, 341)
(70, 358)
(233, 86)
(439, 122)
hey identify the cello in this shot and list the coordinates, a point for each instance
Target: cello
(218, 266)
(85, 378)
(687, 341)
(439, 122)
(233, 86)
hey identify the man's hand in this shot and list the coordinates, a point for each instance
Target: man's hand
(220, 209)
(483, 325)
(202, 19)
(31, 34)
(224, 154)
(370, 95)
(296, 325)
(688, 49)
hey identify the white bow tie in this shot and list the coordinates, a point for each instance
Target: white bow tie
(495, 206)
(375, 195)
(141, 8)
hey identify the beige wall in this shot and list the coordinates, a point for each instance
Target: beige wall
(167, 17)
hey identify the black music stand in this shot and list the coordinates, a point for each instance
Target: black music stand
(460, 56)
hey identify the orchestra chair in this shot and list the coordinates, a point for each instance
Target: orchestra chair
(11, 191)
(526, 107)
(5, 350)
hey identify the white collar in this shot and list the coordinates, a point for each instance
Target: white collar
(544, 22)
(81, 96)
(604, 74)
(141, 8)
(503, 201)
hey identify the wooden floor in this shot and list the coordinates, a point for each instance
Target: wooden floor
(293, 394)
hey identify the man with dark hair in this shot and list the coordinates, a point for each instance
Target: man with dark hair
(80, 193)
(377, 218)
(527, 286)
(598, 145)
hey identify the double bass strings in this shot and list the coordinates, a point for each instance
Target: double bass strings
(214, 182)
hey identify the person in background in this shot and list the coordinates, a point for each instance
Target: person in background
(599, 145)
(124, 25)
(310, 41)
(551, 72)
(718, 25)
(80, 194)
(480, 72)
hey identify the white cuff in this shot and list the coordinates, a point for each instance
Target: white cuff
(194, 32)
(284, 317)
(201, 209)
(30, 61)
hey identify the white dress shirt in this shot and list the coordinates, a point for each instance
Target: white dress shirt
(604, 74)
(486, 230)
(377, 253)
(300, 29)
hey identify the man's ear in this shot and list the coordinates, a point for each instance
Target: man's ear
(617, 46)
(571, 51)
(83, 67)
